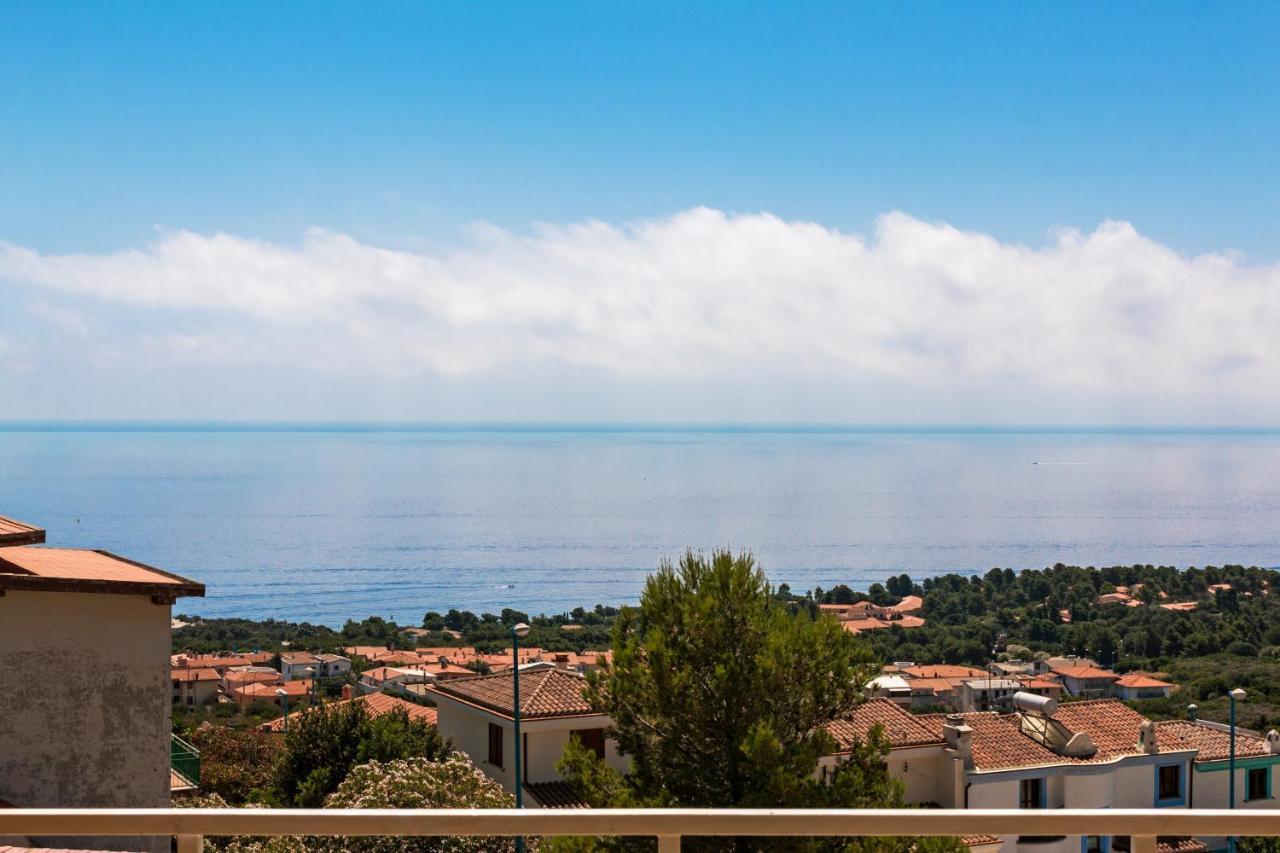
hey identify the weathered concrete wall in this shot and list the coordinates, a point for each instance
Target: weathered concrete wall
(84, 704)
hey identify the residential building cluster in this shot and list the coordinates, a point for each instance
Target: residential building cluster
(1042, 734)
(868, 616)
(966, 688)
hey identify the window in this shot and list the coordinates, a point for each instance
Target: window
(592, 739)
(1258, 783)
(1169, 785)
(495, 745)
(1031, 794)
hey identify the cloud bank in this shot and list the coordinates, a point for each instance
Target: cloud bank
(702, 294)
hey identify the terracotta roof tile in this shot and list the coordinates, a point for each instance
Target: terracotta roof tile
(194, 675)
(14, 532)
(1140, 679)
(900, 727)
(84, 570)
(1084, 671)
(1213, 744)
(543, 693)
(376, 704)
(979, 840)
(943, 670)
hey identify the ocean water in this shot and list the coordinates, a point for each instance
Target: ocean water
(329, 523)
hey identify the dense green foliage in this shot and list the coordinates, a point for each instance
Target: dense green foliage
(234, 763)
(1231, 639)
(323, 743)
(487, 632)
(717, 693)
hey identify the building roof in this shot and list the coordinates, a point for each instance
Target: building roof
(1181, 605)
(376, 704)
(1213, 744)
(555, 795)
(33, 567)
(544, 693)
(980, 840)
(1084, 671)
(999, 743)
(300, 687)
(909, 604)
(14, 532)
(900, 727)
(1140, 679)
(202, 674)
(943, 670)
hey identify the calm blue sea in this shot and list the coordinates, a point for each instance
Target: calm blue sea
(323, 523)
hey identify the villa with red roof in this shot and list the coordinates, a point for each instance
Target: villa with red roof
(478, 715)
(1088, 754)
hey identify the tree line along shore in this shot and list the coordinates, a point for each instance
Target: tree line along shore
(1222, 633)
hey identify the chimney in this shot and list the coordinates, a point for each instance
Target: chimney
(1147, 740)
(1192, 711)
(346, 691)
(959, 738)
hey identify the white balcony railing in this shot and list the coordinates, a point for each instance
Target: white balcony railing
(190, 826)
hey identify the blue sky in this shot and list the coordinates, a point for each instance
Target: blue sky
(400, 126)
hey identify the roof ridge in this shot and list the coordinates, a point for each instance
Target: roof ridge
(542, 683)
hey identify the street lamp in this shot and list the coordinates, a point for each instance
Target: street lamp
(518, 631)
(284, 697)
(1236, 695)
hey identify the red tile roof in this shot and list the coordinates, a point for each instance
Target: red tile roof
(33, 567)
(900, 727)
(376, 704)
(1084, 671)
(999, 744)
(194, 675)
(1213, 744)
(544, 693)
(1140, 679)
(943, 670)
(14, 532)
(980, 840)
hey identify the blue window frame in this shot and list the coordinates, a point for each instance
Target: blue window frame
(1170, 785)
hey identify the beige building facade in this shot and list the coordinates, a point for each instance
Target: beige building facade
(97, 734)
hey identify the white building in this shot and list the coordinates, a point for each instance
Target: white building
(332, 666)
(392, 678)
(1137, 685)
(1089, 754)
(478, 714)
(296, 665)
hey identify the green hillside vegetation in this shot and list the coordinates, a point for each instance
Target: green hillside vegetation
(1232, 639)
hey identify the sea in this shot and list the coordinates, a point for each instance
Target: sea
(329, 522)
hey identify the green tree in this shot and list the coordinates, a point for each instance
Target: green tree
(325, 742)
(718, 694)
(234, 762)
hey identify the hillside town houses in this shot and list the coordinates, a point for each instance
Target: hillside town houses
(1047, 733)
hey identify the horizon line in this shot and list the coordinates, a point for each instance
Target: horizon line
(655, 427)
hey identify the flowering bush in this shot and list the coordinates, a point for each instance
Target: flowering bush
(413, 783)
(417, 783)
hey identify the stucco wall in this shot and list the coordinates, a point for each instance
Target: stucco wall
(468, 727)
(85, 704)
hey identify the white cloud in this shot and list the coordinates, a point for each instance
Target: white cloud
(701, 294)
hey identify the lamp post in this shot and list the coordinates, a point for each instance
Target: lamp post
(518, 631)
(284, 697)
(1236, 695)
